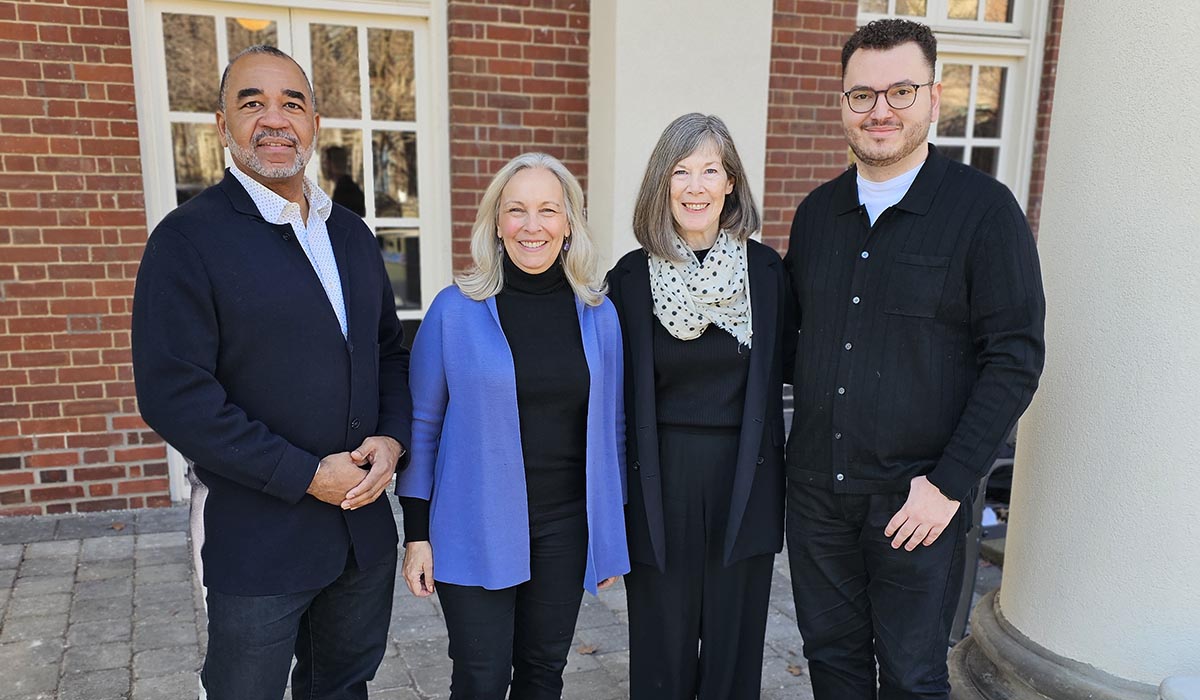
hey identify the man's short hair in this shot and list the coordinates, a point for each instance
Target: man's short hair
(263, 49)
(883, 34)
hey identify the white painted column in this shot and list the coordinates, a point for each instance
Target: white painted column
(653, 60)
(1102, 564)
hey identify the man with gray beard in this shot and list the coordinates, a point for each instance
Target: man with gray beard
(266, 349)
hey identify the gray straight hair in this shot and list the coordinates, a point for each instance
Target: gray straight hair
(581, 263)
(263, 50)
(653, 222)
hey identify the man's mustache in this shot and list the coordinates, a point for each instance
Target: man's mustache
(265, 134)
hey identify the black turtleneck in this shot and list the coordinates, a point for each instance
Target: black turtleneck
(540, 322)
(538, 315)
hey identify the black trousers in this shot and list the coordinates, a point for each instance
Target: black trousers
(520, 635)
(338, 635)
(698, 602)
(858, 600)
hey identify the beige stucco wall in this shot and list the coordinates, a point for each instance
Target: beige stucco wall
(653, 60)
(1103, 556)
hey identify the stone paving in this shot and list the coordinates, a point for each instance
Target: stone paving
(103, 606)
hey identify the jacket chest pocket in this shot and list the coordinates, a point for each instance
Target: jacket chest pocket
(914, 287)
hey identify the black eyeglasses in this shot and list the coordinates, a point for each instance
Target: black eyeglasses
(862, 100)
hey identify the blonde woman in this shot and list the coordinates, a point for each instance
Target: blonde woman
(513, 499)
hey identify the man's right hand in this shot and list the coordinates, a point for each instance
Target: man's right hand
(418, 568)
(336, 475)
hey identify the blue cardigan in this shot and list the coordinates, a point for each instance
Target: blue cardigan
(466, 454)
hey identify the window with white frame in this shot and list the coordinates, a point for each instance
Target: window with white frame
(989, 64)
(374, 85)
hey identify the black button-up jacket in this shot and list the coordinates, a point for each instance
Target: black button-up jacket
(920, 338)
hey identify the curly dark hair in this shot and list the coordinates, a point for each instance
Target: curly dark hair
(883, 34)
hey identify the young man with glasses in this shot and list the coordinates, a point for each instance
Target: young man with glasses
(920, 308)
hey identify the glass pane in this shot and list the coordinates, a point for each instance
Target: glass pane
(876, 6)
(989, 101)
(964, 9)
(244, 32)
(952, 152)
(984, 158)
(191, 47)
(335, 71)
(999, 11)
(342, 167)
(956, 95)
(401, 250)
(913, 8)
(395, 158)
(390, 54)
(199, 159)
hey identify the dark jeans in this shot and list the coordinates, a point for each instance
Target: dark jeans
(858, 600)
(696, 629)
(522, 633)
(338, 635)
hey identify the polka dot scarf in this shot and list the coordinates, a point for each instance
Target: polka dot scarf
(689, 295)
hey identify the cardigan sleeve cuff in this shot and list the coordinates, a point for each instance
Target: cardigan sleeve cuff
(954, 479)
(416, 519)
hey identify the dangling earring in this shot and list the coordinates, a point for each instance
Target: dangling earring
(566, 244)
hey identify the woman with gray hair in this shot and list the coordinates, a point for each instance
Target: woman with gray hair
(703, 309)
(512, 499)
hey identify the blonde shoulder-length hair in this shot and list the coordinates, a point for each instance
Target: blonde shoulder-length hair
(485, 278)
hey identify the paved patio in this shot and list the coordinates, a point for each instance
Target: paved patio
(103, 606)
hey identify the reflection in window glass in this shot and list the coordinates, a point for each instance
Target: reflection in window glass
(393, 84)
(199, 159)
(964, 9)
(335, 71)
(341, 173)
(876, 6)
(984, 158)
(989, 100)
(912, 8)
(395, 159)
(401, 250)
(952, 152)
(244, 32)
(999, 11)
(191, 48)
(956, 96)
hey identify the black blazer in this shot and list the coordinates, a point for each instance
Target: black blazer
(240, 363)
(756, 505)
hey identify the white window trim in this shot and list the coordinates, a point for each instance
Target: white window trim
(1027, 91)
(433, 151)
(937, 11)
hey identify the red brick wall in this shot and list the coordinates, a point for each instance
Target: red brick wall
(72, 230)
(1041, 141)
(805, 145)
(518, 82)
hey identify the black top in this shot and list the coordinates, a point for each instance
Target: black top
(699, 383)
(921, 338)
(541, 323)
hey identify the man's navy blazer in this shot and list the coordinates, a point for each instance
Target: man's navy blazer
(756, 501)
(240, 364)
